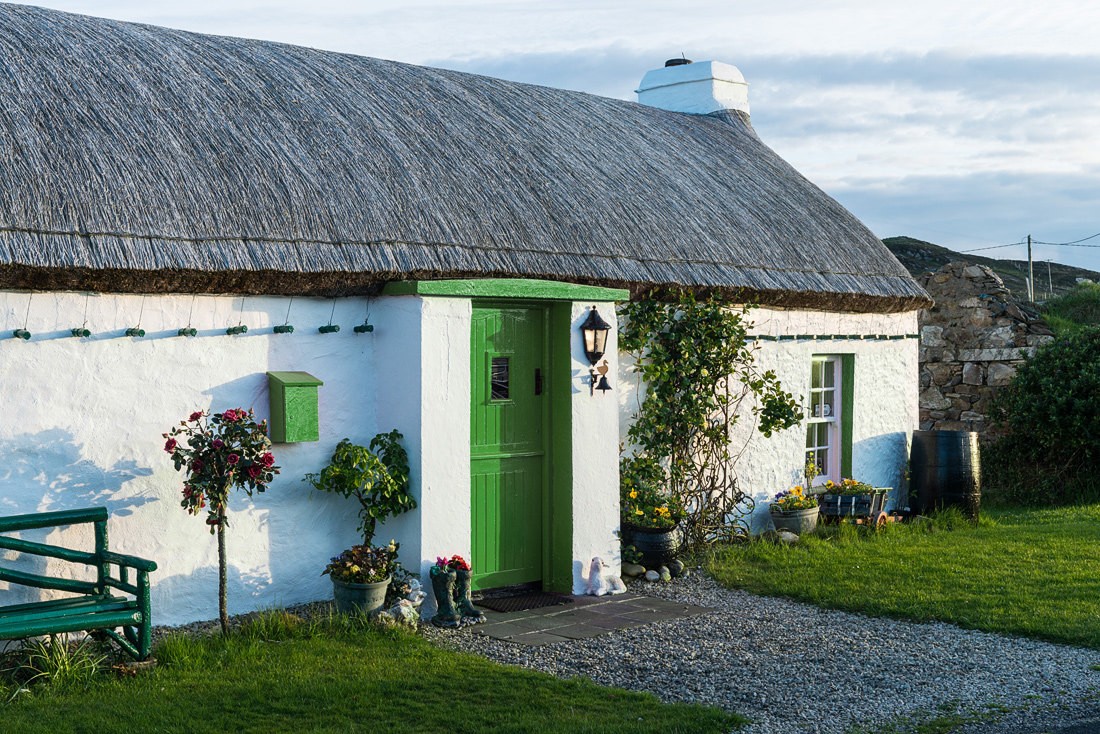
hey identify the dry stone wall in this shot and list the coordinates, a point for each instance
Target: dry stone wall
(972, 341)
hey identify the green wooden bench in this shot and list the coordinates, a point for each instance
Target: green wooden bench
(96, 606)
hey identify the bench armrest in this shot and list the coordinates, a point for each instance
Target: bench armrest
(122, 559)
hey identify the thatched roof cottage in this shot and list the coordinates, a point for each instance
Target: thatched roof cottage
(160, 179)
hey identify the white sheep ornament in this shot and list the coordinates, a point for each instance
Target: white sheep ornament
(600, 582)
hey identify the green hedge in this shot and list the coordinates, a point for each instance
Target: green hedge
(1050, 418)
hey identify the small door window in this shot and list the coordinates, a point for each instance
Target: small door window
(499, 379)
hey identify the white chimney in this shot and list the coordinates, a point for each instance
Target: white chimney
(695, 88)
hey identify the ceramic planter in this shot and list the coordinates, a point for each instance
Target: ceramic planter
(796, 521)
(366, 598)
(443, 586)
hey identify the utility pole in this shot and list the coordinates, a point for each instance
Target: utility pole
(1030, 273)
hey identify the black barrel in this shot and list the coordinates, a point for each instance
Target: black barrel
(945, 467)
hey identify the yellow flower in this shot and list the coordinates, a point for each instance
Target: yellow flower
(633, 494)
(638, 512)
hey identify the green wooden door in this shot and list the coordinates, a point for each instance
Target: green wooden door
(508, 439)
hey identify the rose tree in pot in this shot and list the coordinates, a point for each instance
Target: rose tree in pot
(377, 476)
(218, 452)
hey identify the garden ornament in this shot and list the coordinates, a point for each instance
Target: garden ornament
(600, 582)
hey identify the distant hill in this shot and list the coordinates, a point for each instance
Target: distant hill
(921, 257)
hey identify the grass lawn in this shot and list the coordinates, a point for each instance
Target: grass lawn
(1026, 572)
(340, 676)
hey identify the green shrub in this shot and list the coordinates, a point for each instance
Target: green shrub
(376, 475)
(1076, 309)
(1049, 452)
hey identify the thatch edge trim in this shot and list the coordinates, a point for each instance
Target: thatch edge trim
(435, 247)
(348, 284)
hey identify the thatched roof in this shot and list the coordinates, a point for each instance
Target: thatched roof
(138, 158)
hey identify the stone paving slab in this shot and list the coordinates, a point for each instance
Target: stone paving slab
(588, 616)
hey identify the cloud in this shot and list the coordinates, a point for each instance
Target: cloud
(963, 151)
(981, 209)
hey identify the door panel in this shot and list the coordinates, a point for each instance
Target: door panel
(507, 452)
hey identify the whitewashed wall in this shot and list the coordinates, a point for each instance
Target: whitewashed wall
(595, 454)
(885, 411)
(84, 418)
(441, 473)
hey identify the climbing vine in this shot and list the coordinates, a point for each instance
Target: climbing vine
(699, 369)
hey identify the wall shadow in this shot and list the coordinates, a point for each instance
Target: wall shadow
(883, 460)
(45, 472)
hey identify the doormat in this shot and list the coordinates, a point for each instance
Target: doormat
(523, 602)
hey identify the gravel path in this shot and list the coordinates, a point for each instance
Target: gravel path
(791, 667)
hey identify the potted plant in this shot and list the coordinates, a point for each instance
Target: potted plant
(795, 510)
(852, 498)
(649, 518)
(451, 578)
(378, 477)
(360, 576)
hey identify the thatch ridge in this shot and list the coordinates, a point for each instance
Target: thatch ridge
(153, 159)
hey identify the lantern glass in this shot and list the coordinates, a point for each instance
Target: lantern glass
(595, 331)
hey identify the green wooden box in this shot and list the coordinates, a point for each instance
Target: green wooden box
(294, 416)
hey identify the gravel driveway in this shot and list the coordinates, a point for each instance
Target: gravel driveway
(791, 667)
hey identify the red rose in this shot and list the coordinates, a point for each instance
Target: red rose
(267, 459)
(170, 445)
(197, 465)
(217, 443)
(254, 471)
(232, 459)
(196, 415)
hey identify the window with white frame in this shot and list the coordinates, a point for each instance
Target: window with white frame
(823, 419)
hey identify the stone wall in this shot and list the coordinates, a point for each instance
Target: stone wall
(972, 341)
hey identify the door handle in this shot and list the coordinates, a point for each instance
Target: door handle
(538, 381)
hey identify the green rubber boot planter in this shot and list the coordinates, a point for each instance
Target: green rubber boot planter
(443, 585)
(470, 613)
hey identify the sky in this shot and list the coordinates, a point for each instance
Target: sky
(970, 125)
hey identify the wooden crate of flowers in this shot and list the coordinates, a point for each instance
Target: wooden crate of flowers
(853, 499)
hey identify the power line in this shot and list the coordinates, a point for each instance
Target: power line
(995, 247)
(1074, 242)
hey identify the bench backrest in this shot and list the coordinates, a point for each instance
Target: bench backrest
(98, 559)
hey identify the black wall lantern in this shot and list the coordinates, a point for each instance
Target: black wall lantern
(594, 329)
